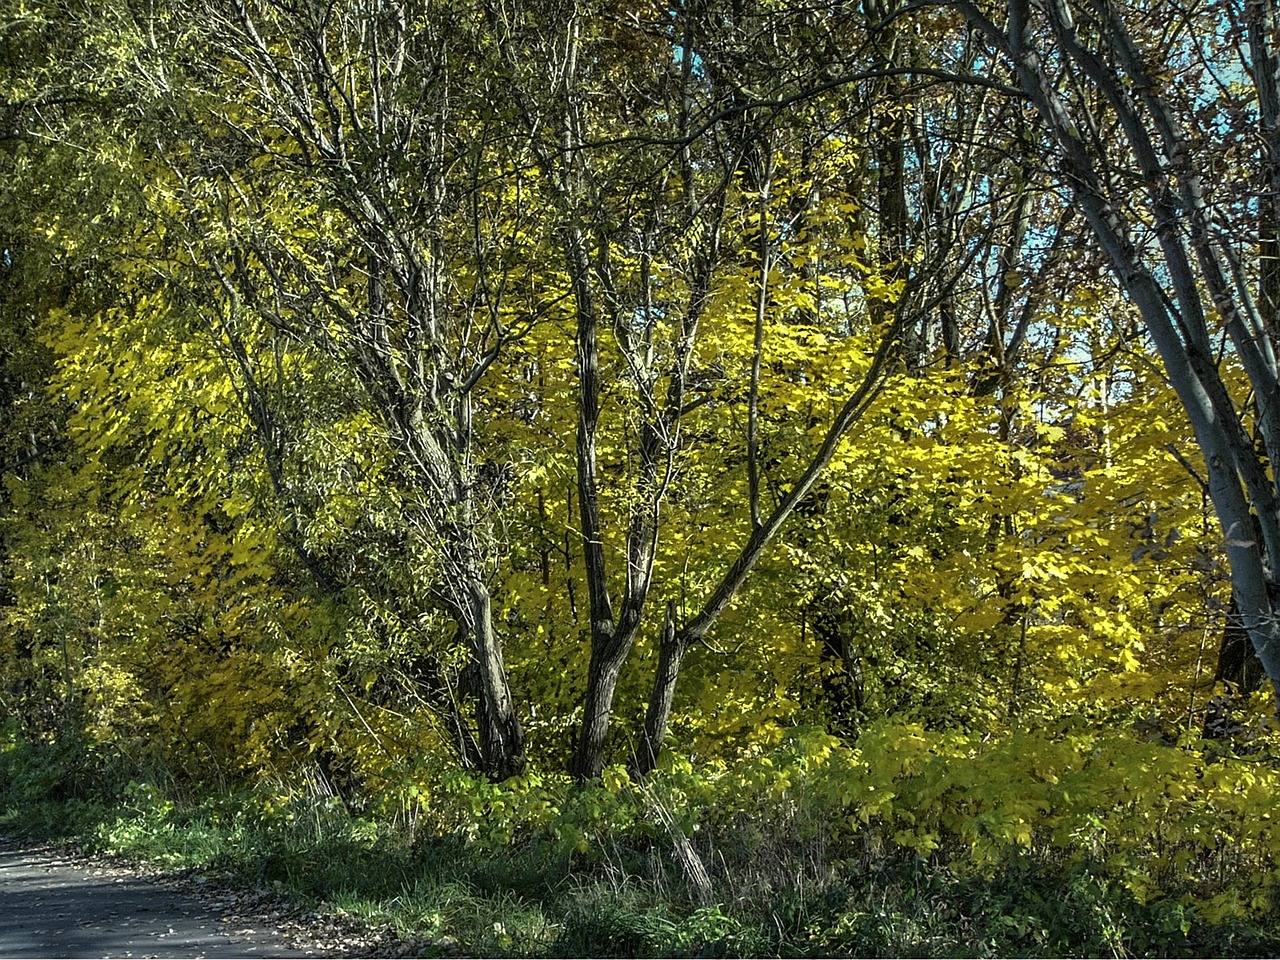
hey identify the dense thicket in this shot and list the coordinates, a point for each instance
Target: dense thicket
(535, 387)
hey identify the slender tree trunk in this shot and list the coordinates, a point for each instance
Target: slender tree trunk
(609, 648)
(671, 651)
(889, 150)
(1261, 20)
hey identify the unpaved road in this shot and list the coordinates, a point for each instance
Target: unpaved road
(55, 904)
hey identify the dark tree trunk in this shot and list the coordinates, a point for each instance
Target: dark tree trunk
(608, 655)
(1238, 664)
(671, 650)
(842, 683)
(501, 737)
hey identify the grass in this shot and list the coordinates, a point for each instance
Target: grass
(771, 894)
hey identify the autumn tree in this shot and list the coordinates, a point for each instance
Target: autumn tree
(381, 127)
(733, 188)
(50, 260)
(1170, 163)
(709, 369)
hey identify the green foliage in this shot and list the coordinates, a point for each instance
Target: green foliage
(795, 867)
(232, 563)
(957, 708)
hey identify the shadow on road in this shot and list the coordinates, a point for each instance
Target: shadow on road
(51, 906)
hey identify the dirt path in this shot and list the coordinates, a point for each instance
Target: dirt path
(56, 904)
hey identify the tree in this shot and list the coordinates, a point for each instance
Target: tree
(363, 116)
(647, 211)
(1129, 115)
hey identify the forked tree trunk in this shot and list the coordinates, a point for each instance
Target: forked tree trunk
(676, 638)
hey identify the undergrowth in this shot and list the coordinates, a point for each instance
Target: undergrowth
(541, 868)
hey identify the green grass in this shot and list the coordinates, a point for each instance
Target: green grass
(771, 896)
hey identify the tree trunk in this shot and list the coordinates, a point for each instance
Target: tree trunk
(842, 682)
(1238, 665)
(607, 658)
(889, 150)
(1261, 21)
(671, 651)
(502, 747)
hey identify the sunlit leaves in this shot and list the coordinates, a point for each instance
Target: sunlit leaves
(235, 557)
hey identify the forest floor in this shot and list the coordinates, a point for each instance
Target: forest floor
(57, 903)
